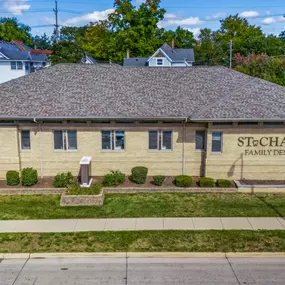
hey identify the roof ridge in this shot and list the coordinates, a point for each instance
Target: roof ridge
(207, 107)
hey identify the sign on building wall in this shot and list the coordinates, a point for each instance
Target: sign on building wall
(262, 146)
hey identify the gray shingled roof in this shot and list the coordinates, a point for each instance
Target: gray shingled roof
(122, 92)
(179, 54)
(135, 61)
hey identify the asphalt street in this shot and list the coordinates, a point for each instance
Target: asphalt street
(134, 270)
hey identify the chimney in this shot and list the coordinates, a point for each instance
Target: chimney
(128, 53)
(173, 43)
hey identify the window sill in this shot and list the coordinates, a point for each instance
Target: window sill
(113, 150)
(25, 150)
(155, 151)
(200, 150)
(62, 150)
(216, 153)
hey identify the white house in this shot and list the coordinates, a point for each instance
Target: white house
(17, 59)
(165, 56)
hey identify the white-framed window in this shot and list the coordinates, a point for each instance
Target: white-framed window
(217, 142)
(65, 140)
(200, 141)
(16, 65)
(113, 140)
(159, 61)
(25, 140)
(160, 140)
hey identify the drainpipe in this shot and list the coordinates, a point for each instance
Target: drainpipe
(41, 147)
(183, 145)
(18, 146)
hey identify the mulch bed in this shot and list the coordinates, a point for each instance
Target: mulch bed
(262, 182)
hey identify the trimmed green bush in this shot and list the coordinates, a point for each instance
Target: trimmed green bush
(29, 176)
(206, 182)
(75, 189)
(62, 180)
(158, 180)
(114, 178)
(183, 181)
(223, 183)
(139, 174)
(12, 177)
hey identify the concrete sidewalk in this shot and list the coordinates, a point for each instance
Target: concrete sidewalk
(139, 224)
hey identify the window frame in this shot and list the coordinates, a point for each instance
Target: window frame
(113, 140)
(158, 59)
(222, 142)
(65, 141)
(21, 141)
(205, 141)
(15, 62)
(18, 63)
(160, 140)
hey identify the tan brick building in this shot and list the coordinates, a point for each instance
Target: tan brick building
(200, 121)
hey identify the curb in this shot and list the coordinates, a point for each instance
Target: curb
(142, 255)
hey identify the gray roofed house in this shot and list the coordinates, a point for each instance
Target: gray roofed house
(165, 56)
(17, 59)
(103, 91)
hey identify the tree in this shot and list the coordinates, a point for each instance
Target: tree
(11, 29)
(42, 42)
(282, 36)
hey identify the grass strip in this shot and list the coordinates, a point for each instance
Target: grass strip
(153, 241)
(146, 205)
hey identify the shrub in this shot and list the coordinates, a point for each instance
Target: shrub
(29, 176)
(183, 181)
(114, 178)
(206, 182)
(62, 180)
(75, 189)
(158, 180)
(223, 183)
(139, 174)
(12, 177)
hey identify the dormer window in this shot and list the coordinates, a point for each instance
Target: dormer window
(159, 61)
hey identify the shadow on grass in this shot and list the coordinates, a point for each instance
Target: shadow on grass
(262, 199)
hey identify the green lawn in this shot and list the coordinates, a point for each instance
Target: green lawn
(183, 241)
(147, 205)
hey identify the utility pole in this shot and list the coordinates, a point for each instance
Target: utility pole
(56, 22)
(231, 53)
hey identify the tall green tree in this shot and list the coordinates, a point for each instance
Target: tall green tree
(282, 36)
(11, 29)
(42, 42)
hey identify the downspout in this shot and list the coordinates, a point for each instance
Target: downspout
(41, 147)
(183, 145)
(18, 146)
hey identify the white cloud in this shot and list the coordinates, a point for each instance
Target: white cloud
(195, 31)
(191, 21)
(267, 12)
(216, 16)
(90, 17)
(249, 14)
(170, 16)
(16, 8)
(271, 20)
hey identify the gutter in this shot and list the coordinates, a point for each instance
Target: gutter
(239, 120)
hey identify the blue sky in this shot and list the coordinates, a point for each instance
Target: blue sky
(193, 15)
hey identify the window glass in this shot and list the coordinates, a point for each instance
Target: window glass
(27, 66)
(13, 65)
(25, 140)
(106, 140)
(72, 139)
(159, 61)
(152, 139)
(217, 142)
(119, 140)
(166, 140)
(19, 65)
(58, 139)
(200, 140)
